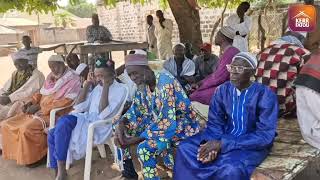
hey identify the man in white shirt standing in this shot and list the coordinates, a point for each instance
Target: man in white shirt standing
(32, 52)
(242, 24)
(163, 32)
(151, 38)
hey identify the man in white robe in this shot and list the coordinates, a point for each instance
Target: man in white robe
(180, 66)
(68, 140)
(24, 82)
(150, 36)
(242, 24)
(163, 32)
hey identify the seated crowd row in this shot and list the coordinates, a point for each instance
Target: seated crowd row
(242, 119)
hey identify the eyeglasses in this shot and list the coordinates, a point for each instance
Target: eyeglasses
(237, 69)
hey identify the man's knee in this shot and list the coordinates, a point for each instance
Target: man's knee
(233, 170)
(51, 135)
(66, 122)
(144, 151)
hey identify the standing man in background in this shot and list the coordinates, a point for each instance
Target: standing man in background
(242, 24)
(97, 33)
(32, 52)
(151, 38)
(163, 33)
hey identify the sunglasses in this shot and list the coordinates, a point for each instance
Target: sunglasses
(237, 69)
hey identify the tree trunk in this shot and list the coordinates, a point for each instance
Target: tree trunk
(262, 30)
(284, 23)
(188, 20)
(214, 28)
(221, 19)
(224, 10)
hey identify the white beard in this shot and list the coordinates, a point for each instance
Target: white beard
(141, 87)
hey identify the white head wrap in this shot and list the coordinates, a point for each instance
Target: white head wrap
(179, 44)
(140, 51)
(19, 55)
(56, 58)
(228, 32)
(304, 34)
(80, 68)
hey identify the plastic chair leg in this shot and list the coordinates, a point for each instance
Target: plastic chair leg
(102, 150)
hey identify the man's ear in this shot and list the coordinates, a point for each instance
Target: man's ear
(253, 72)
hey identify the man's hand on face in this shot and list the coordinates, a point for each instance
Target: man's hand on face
(209, 151)
(26, 106)
(91, 80)
(4, 100)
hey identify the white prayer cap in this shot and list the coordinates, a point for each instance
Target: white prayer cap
(250, 58)
(80, 68)
(179, 44)
(228, 32)
(19, 55)
(56, 58)
(138, 51)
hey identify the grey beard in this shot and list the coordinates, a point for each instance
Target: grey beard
(141, 87)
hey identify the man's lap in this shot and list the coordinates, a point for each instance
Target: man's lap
(188, 150)
(64, 121)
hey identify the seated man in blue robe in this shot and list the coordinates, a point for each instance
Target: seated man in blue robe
(240, 131)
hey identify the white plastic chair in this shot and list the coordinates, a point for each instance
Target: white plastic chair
(53, 114)
(110, 142)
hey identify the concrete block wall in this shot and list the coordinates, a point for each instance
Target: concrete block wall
(127, 21)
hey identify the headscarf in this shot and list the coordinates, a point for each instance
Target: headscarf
(228, 32)
(19, 55)
(81, 68)
(136, 58)
(250, 58)
(179, 44)
(290, 39)
(206, 46)
(56, 58)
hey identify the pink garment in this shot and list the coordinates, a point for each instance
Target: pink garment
(67, 86)
(204, 93)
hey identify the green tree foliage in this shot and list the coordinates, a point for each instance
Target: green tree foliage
(63, 20)
(38, 6)
(52, 5)
(82, 9)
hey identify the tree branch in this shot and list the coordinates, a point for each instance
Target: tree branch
(215, 26)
